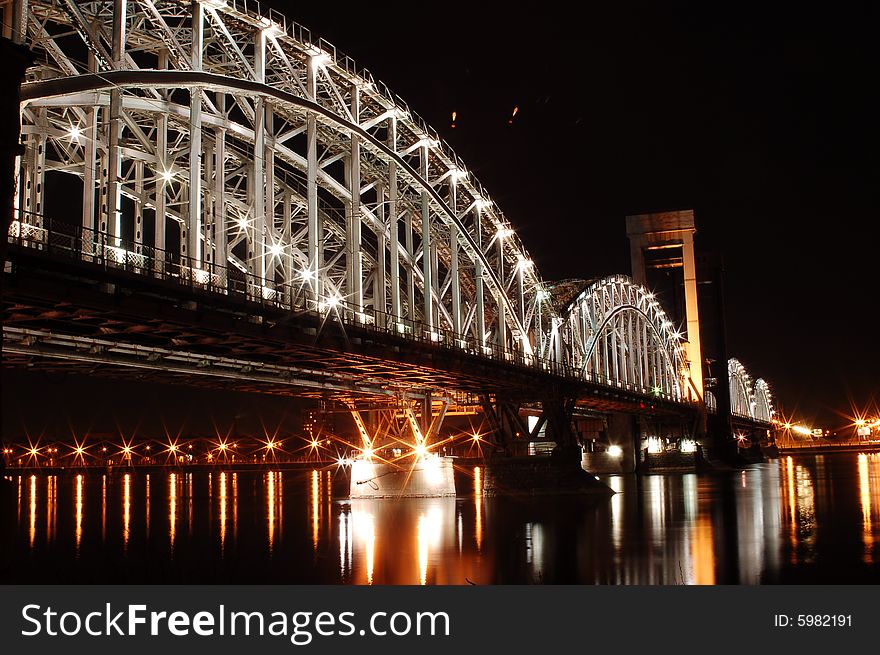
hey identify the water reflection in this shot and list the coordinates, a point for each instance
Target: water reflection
(865, 502)
(270, 507)
(51, 504)
(79, 511)
(33, 499)
(103, 508)
(478, 507)
(801, 519)
(147, 505)
(172, 509)
(316, 499)
(126, 509)
(222, 511)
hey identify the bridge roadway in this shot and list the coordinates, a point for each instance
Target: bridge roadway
(61, 313)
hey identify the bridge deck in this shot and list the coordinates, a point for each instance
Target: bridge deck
(62, 313)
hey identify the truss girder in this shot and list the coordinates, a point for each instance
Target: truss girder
(749, 398)
(617, 333)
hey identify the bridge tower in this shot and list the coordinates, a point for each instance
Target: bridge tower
(662, 255)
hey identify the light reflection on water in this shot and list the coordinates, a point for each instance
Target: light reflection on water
(792, 520)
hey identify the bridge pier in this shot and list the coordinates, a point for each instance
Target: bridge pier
(395, 459)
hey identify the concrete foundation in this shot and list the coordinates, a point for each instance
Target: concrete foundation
(535, 476)
(430, 478)
(672, 461)
(603, 463)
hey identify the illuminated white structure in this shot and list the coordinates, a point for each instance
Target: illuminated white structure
(281, 172)
(748, 399)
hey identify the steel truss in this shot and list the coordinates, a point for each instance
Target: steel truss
(749, 399)
(230, 144)
(617, 331)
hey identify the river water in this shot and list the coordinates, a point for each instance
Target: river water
(807, 519)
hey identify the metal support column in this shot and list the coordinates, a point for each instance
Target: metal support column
(427, 281)
(194, 227)
(315, 232)
(393, 223)
(354, 288)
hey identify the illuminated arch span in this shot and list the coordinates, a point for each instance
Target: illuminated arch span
(616, 330)
(741, 389)
(282, 171)
(763, 403)
(274, 158)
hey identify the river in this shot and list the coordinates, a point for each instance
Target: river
(806, 519)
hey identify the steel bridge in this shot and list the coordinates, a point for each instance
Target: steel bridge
(252, 209)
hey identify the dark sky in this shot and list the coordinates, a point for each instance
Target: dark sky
(762, 120)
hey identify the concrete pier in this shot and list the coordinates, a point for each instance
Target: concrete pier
(431, 477)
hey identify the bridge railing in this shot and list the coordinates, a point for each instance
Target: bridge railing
(61, 240)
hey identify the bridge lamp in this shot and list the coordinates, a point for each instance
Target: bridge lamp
(126, 450)
(315, 444)
(476, 437)
(504, 232)
(74, 133)
(421, 450)
(367, 452)
(457, 174)
(273, 30)
(222, 447)
(333, 301)
(33, 452)
(860, 423)
(320, 59)
(275, 249)
(615, 451)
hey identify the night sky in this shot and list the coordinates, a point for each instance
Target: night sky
(763, 121)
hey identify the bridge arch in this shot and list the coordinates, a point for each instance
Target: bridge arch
(741, 389)
(270, 156)
(615, 330)
(763, 403)
(232, 150)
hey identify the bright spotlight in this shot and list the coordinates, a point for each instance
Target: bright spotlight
(615, 451)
